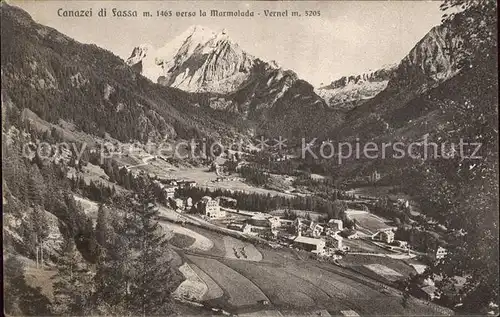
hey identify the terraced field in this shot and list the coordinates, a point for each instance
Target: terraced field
(239, 290)
(237, 249)
(198, 241)
(213, 289)
(282, 288)
(293, 283)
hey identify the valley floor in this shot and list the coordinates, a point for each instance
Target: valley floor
(222, 270)
(289, 282)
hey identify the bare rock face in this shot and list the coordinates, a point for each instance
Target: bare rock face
(198, 60)
(349, 91)
(431, 61)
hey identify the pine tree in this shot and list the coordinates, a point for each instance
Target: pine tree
(102, 231)
(40, 224)
(153, 284)
(113, 277)
(36, 186)
(73, 285)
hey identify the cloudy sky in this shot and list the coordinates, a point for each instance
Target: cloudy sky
(348, 38)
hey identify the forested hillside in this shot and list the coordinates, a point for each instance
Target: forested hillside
(59, 78)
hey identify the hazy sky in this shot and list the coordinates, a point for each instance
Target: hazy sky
(348, 37)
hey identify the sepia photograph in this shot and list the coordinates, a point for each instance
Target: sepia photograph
(250, 158)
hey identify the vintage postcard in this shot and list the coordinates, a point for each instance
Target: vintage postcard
(250, 158)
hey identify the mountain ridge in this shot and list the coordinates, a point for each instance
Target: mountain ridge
(59, 78)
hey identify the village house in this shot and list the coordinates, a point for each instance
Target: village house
(274, 221)
(335, 242)
(334, 226)
(429, 292)
(286, 223)
(438, 253)
(169, 192)
(386, 236)
(210, 207)
(188, 202)
(256, 230)
(404, 203)
(299, 224)
(168, 181)
(178, 203)
(186, 184)
(316, 230)
(262, 225)
(182, 203)
(310, 244)
(308, 228)
(401, 244)
(262, 219)
(236, 226)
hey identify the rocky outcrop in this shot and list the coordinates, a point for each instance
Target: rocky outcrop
(431, 61)
(348, 92)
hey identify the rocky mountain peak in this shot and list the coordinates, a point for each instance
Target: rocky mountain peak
(197, 60)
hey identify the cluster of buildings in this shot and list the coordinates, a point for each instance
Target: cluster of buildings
(318, 238)
(262, 225)
(170, 186)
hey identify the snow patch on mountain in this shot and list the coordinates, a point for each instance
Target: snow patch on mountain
(348, 91)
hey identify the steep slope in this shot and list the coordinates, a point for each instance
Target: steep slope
(60, 79)
(432, 60)
(430, 63)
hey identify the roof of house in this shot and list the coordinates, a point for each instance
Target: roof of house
(349, 313)
(307, 240)
(429, 289)
(334, 221)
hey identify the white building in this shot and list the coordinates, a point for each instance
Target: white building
(386, 236)
(439, 253)
(211, 208)
(335, 241)
(179, 203)
(169, 192)
(254, 230)
(310, 244)
(334, 226)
